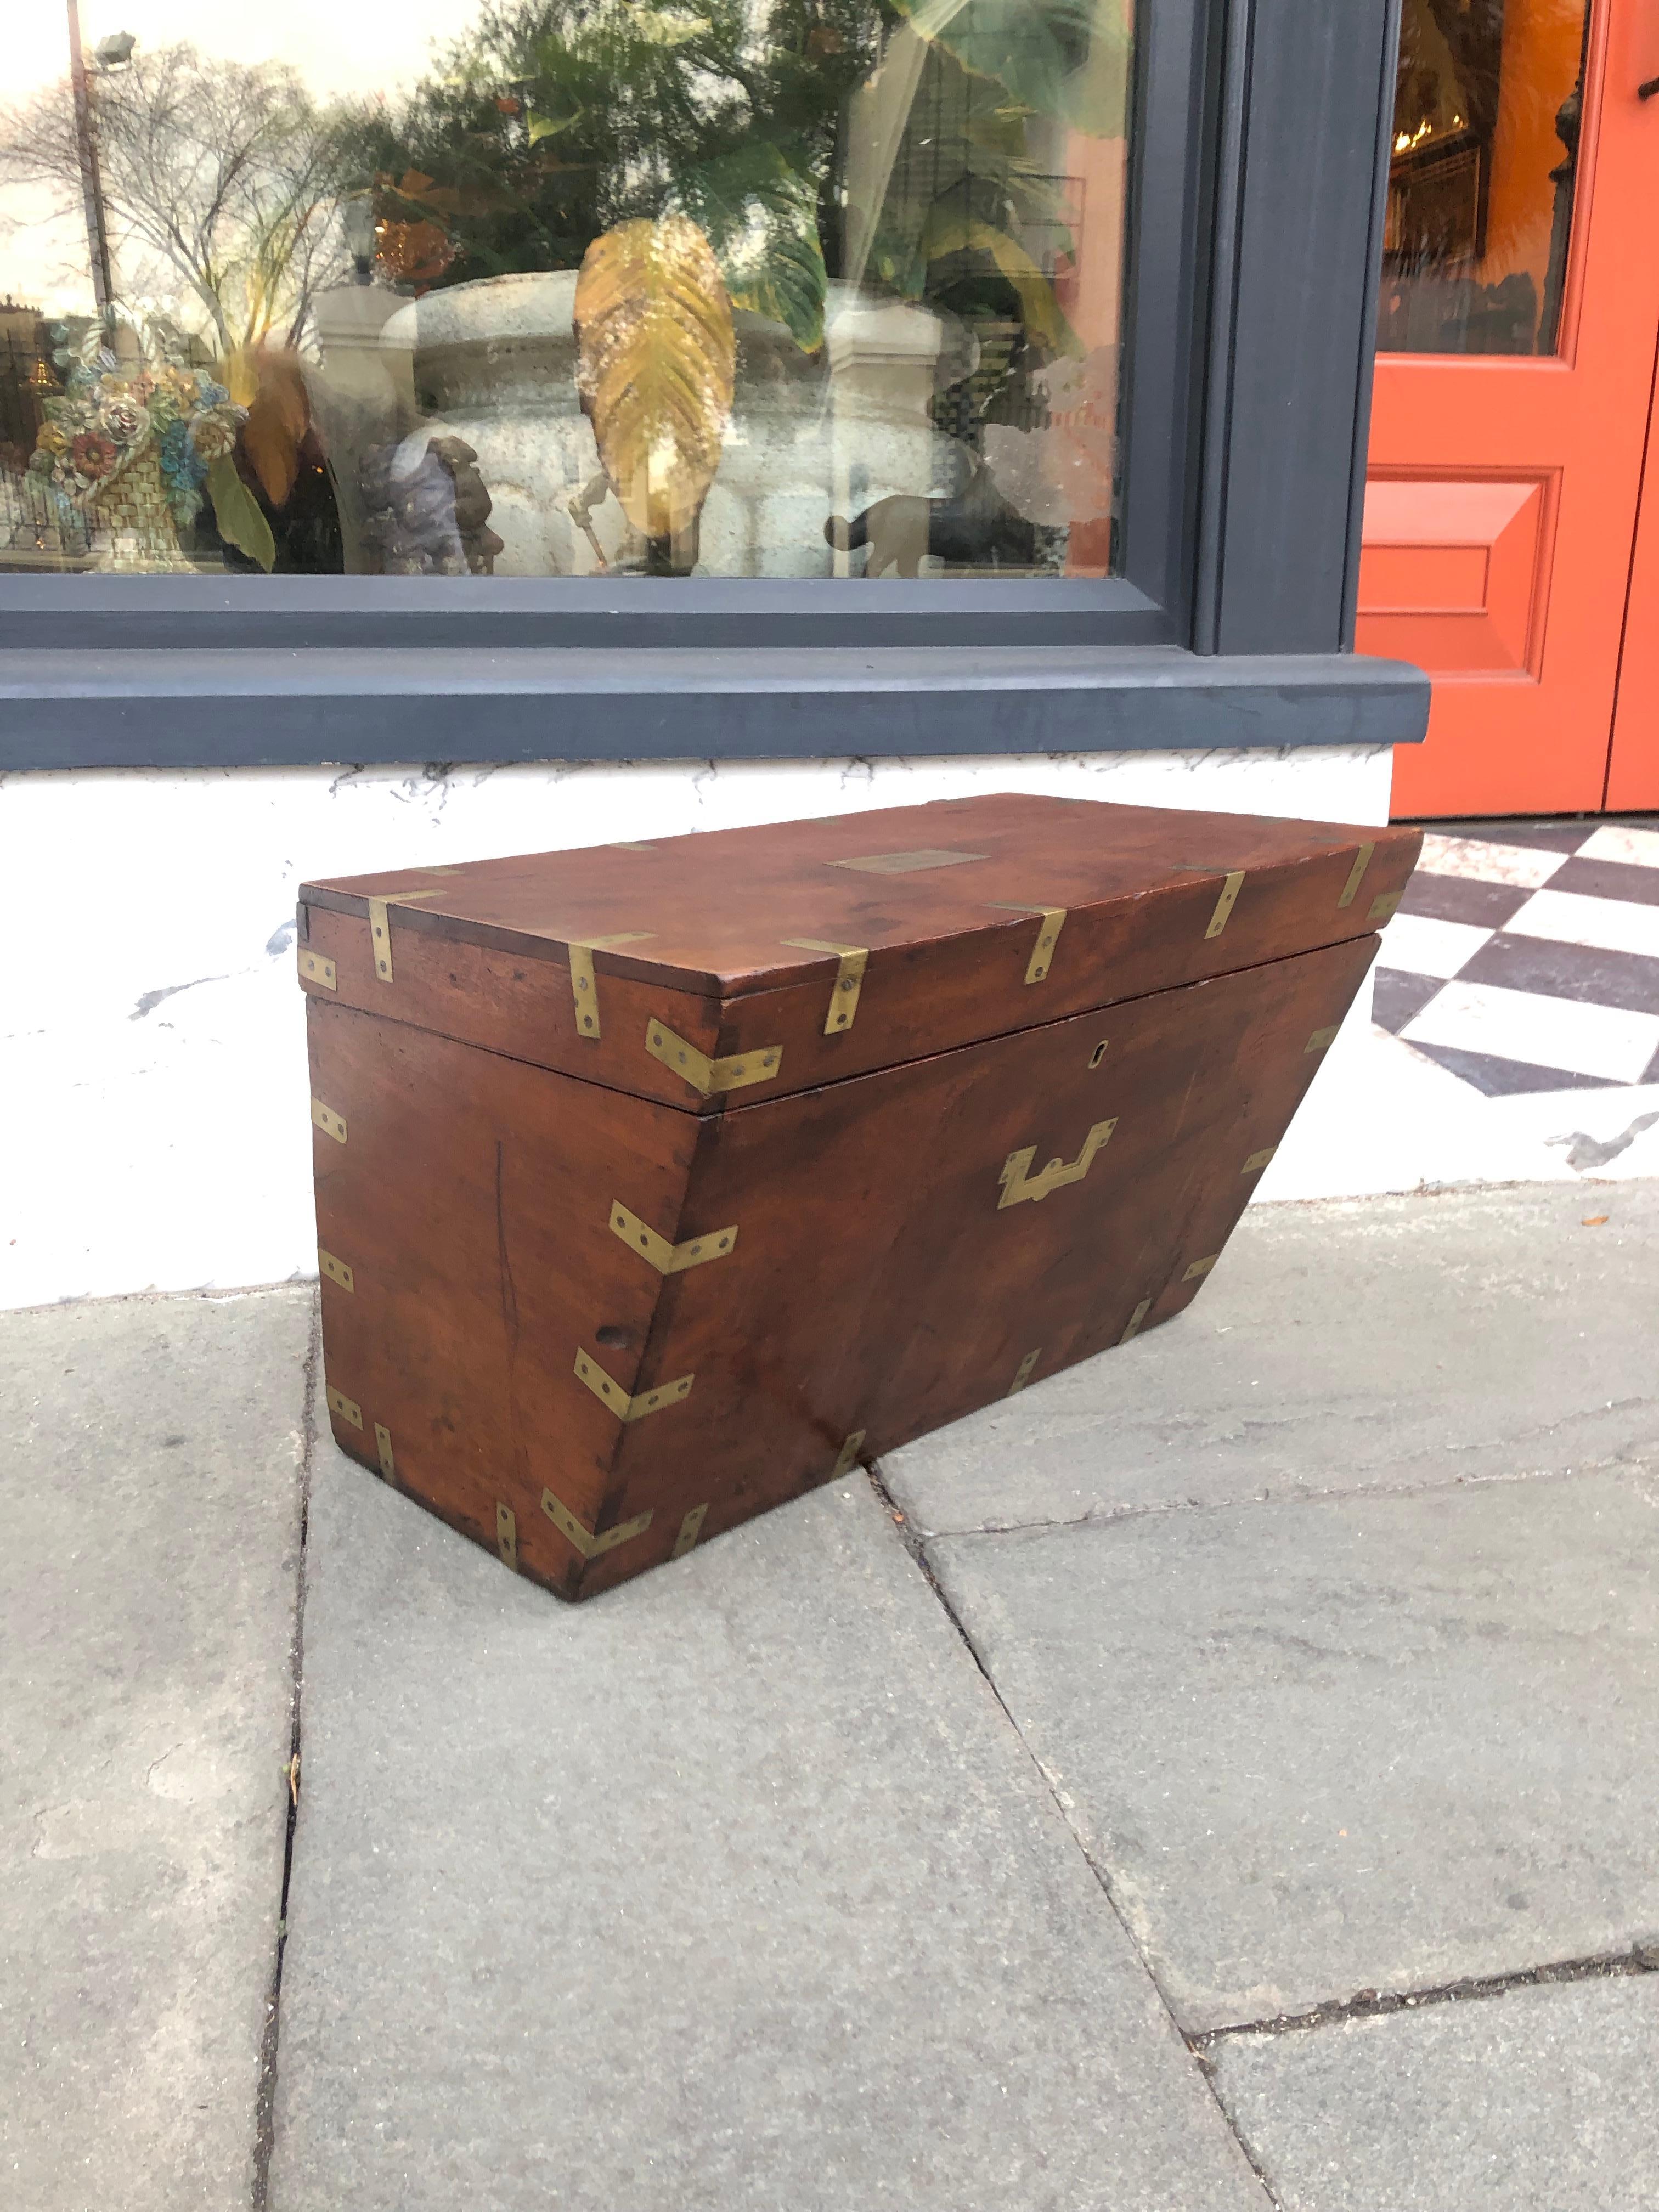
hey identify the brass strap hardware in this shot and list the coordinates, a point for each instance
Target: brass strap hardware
(585, 1541)
(507, 1536)
(613, 1395)
(336, 1270)
(383, 1446)
(1225, 903)
(1382, 906)
(347, 1409)
(1022, 1372)
(331, 1123)
(850, 978)
(379, 924)
(315, 970)
(1135, 1320)
(708, 1076)
(1320, 1039)
(1017, 1184)
(1199, 1267)
(848, 1458)
(1042, 952)
(622, 845)
(669, 1259)
(583, 989)
(1362, 860)
(690, 1529)
(1258, 1159)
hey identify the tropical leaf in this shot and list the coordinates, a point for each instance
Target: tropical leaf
(237, 513)
(1067, 59)
(548, 126)
(655, 359)
(270, 384)
(760, 213)
(948, 231)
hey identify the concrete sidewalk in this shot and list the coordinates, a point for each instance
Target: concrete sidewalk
(1218, 1778)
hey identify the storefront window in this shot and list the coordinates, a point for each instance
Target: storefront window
(1480, 187)
(736, 287)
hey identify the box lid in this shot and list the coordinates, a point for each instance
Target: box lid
(736, 965)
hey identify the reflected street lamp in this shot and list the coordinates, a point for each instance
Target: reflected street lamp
(114, 52)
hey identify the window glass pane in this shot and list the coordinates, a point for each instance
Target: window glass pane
(741, 288)
(1480, 187)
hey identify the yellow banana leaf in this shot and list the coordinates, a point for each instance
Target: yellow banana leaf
(656, 355)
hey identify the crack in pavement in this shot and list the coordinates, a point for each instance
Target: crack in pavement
(1372, 2004)
(914, 1543)
(266, 2100)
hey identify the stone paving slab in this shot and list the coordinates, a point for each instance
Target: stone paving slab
(150, 1457)
(1389, 1341)
(731, 1889)
(1541, 2099)
(1380, 1741)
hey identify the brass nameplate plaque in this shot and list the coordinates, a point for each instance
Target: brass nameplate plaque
(624, 1407)
(589, 1545)
(315, 970)
(347, 1409)
(849, 979)
(669, 1259)
(331, 1123)
(1362, 860)
(336, 1270)
(708, 1076)
(904, 864)
(1017, 1184)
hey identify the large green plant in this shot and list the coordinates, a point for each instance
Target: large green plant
(556, 120)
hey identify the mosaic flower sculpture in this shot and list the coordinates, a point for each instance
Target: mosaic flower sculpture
(135, 452)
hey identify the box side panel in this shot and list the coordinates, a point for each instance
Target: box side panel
(918, 1243)
(464, 1211)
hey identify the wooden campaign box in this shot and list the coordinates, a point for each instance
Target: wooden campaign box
(658, 1183)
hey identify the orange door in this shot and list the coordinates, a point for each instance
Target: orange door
(1633, 775)
(1516, 334)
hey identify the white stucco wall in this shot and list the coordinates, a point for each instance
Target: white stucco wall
(153, 1052)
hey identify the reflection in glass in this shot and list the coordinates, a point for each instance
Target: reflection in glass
(1480, 186)
(776, 288)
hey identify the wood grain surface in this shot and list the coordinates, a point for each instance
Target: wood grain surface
(885, 1277)
(946, 900)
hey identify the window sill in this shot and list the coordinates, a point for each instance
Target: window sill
(265, 706)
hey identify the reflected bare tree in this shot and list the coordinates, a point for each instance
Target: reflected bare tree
(221, 183)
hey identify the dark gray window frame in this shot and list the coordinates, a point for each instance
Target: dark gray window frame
(1254, 239)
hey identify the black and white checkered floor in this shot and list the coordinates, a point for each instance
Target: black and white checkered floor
(1525, 954)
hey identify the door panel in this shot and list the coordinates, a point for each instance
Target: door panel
(1500, 520)
(1450, 572)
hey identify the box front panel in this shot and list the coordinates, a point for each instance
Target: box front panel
(917, 1244)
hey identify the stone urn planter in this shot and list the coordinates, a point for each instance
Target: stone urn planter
(493, 364)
